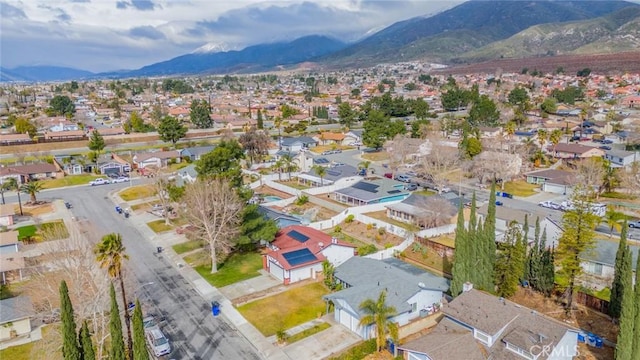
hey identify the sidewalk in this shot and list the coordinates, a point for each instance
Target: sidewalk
(209, 293)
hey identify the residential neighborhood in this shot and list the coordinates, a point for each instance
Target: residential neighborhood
(298, 222)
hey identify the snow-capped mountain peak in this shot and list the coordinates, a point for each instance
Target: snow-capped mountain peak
(213, 47)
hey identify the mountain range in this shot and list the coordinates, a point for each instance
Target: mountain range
(471, 32)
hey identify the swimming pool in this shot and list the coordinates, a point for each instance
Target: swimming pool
(270, 198)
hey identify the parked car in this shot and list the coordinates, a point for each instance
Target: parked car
(605, 147)
(121, 179)
(444, 189)
(634, 224)
(149, 323)
(388, 175)
(607, 141)
(99, 181)
(68, 205)
(158, 342)
(411, 187)
(499, 203)
(403, 178)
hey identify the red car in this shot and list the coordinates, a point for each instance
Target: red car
(388, 175)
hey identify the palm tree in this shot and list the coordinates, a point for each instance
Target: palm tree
(12, 184)
(321, 171)
(32, 188)
(289, 165)
(4, 187)
(554, 137)
(278, 167)
(110, 253)
(542, 137)
(379, 313)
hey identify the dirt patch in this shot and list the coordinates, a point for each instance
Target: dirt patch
(266, 190)
(583, 318)
(370, 234)
(308, 209)
(35, 210)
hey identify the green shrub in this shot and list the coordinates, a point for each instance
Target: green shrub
(302, 199)
(349, 219)
(358, 352)
(382, 231)
(337, 229)
(367, 249)
(282, 336)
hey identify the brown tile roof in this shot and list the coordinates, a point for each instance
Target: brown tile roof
(70, 133)
(11, 138)
(10, 262)
(572, 148)
(9, 237)
(28, 169)
(332, 136)
(172, 154)
(448, 340)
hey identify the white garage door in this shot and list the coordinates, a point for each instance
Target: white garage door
(276, 270)
(345, 319)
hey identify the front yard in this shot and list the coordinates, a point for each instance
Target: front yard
(36, 210)
(188, 246)
(287, 309)
(237, 267)
(52, 230)
(137, 192)
(375, 156)
(519, 188)
(69, 180)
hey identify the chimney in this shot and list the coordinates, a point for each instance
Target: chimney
(334, 240)
(467, 286)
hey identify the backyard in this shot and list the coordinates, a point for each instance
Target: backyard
(428, 258)
(235, 268)
(46, 348)
(287, 309)
(310, 211)
(370, 233)
(53, 230)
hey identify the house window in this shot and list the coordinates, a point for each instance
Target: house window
(414, 307)
(482, 337)
(595, 269)
(517, 350)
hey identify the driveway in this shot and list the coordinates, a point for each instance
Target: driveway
(323, 344)
(251, 286)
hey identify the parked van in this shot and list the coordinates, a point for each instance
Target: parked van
(158, 342)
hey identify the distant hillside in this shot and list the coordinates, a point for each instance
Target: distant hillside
(612, 33)
(251, 59)
(42, 73)
(464, 28)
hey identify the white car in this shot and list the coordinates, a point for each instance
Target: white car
(634, 224)
(121, 179)
(99, 181)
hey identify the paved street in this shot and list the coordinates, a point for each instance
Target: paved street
(193, 331)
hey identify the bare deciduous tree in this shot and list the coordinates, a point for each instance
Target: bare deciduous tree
(399, 149)
(161, 186)
(490, 164)
(591, 175)
(437, 211)
(213, 208)
(630, 179)
(440, 161)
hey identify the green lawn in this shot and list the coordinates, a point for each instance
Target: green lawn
(286, 310)
(359, 351)
(35, 349)
(425, 192)
(159, 226)
(26, 231)
(52, 230)
(69, 180)
(376, 156)
(238, 267)
(137, 192)
(308, 332)
(519, 188)
(188, 246)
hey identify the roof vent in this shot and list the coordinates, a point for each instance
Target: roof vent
(421, 285)
(334, 240)
(321, 244)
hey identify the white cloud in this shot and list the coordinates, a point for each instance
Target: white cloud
(102, 35)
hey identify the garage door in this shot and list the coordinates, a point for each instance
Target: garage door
(345, 319)
(276, 270)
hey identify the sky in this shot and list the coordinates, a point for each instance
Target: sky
(105, 35)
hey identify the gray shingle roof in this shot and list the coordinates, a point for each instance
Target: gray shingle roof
(336, 173)
(604, 252)
(305, 140)
(197, 150)
(377, 189)
(368, 277)
(446, 341)
(15, 308)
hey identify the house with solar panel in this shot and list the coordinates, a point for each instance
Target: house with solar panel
(367, 192)
(297, 253)
(334, 175)
(413, 292)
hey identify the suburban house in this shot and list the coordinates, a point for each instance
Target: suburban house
(297, 253)
(504, 216)
(194, 153)
(15, 139)
(552, 180)
(499, 328)
(281, 219)
(11, 260)
(490, 132)
(367, 192)
(574, 151)
(64, 125)
(419, 209)
(328, 138)
(342, 174)
(15, 317)
(158, 159)
(25, 173)
(413, 292)
(295, 144)
(186, 175)
(621, 158)
(110, 164)
(600, 262)
(7, 212)
(111, 131)
(69, 164)
(66, 135)
(352, 136)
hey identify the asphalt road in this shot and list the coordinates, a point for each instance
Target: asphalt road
(188, 323)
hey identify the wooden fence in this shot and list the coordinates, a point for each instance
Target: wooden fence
(592, 302)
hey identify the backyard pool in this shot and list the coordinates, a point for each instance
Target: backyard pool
(270, 198)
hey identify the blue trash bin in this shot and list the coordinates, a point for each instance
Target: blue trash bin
(215, 308)
(598, 342)
(591, 340)
(581, 337)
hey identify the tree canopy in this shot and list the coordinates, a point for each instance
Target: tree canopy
(170, 129)
(61, 105)
(199, 114)
(223, 162)
(379, 128)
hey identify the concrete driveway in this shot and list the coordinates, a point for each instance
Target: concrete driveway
(323, 344)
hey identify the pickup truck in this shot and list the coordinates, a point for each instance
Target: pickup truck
(99, 181)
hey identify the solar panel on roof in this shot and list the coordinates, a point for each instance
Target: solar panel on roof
(394, 191)
(298, 236)
(321, 161)
(366, 186)
(299, 257)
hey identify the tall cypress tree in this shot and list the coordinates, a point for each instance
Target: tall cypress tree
(636, 310)
(139, 345)
(474, 243)
(510, 262)
(617, 290)
(489, 259)
(527, 264)
(624, 346)
(459, 270)
(260, 121)
(88, 353)
(117, 351)
(70, 348)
